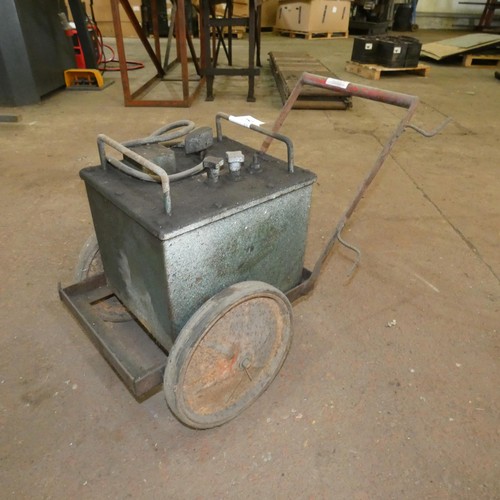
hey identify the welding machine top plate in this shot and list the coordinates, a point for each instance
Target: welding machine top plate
(249, 226)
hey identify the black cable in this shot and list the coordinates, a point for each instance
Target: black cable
(102, 62)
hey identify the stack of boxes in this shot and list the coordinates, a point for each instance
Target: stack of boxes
(104, 17)
(269, 9)
(240, 9)
(387, 51)
(313, 16)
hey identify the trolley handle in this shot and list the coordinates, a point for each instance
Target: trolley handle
(409, 102)
(103, 140)
(251, 123)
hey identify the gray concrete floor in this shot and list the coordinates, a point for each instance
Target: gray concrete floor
(360, 409)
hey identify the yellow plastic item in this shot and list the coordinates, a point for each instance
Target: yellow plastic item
(83, 78)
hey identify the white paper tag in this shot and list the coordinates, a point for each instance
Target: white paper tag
(397, 50)
(333, 82)
(246, 121)
(368, 46)
(334, 9)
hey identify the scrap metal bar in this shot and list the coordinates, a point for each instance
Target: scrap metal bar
(156, 28)
(180, 34)
(9, 118)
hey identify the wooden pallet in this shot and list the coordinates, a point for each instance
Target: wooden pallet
(287, 67)
(374, 71)
(308, 35)
(477, 60)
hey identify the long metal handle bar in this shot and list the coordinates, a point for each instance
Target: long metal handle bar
(270, 135)
(103, 140)
(344, 87)
(401, 100)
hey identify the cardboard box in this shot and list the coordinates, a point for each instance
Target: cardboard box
(268, 11)
(314, 16)
(102, 10)
(107, 29)
(239, 9)
(104, 18)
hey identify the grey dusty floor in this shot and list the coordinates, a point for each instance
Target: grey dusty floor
(391, 388)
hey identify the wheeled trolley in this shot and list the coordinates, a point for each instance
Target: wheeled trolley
(199, 251)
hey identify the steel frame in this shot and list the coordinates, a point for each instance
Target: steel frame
(212, 38)
(137, 97)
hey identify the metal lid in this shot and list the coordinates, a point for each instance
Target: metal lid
(196, 202)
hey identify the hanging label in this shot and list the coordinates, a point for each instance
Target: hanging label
(368, 46)
(245, 121)
(333, 82)
(397, 50)
(334, 9)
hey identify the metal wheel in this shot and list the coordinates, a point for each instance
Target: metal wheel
(89, 265)
(227, 354)
(89, 261)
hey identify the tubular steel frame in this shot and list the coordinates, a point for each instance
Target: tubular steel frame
(406, 101)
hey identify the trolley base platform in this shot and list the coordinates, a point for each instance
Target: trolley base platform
(125, 345)
(124, 342)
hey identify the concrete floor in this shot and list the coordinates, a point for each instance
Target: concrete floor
(391, 386)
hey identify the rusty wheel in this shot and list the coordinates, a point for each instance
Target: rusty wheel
(89, 261)
(89, 265)
(227, 354)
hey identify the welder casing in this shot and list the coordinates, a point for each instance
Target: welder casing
(164, 267)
